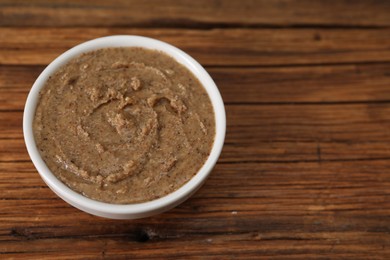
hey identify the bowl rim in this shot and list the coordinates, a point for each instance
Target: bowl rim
(137, 208)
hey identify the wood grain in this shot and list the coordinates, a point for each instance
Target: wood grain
(215, 47)
(203, 13)
(304, 173)
(341, 212)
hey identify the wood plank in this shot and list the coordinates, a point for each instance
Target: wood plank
(274, 209)
(260, 248)
(307, 84)
(242, 47)
(267, 133)
(201, 248)
(187, 13)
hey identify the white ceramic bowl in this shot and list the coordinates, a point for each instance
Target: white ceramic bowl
(128, 211)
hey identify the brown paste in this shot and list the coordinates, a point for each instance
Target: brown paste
(124, 125)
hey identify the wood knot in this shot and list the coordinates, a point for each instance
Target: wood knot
(141, 235)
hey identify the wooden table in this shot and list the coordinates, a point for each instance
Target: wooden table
(305, 170)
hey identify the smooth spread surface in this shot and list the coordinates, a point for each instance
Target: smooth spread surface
(124, 125)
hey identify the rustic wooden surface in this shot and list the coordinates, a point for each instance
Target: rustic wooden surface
(305, 170)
